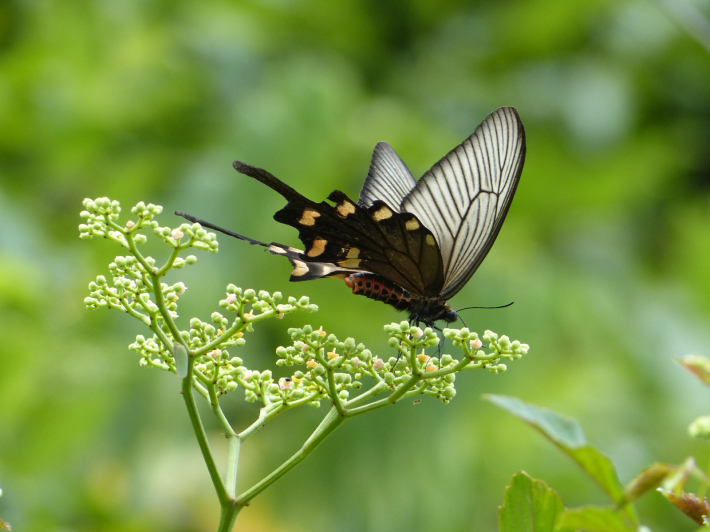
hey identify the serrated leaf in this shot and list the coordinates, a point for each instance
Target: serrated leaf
(566, 434)
(690, 504)
(529, 506)
(594, 519)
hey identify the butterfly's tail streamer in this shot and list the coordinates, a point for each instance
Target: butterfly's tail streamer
(269, 180)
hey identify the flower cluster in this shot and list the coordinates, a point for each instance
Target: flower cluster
(499, 348)
(337, 368)
(330, 369)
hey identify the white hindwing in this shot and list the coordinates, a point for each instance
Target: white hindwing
(464, 198)
(388, 180)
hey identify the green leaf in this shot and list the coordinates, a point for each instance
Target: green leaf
(566, 433)
(529, 506)
(561, 429)
(594, 519)
(180, 353)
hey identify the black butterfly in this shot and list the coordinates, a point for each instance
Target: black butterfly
(410, 244)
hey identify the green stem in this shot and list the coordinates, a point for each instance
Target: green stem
(189, 398)
(228, 516)
(234, 446)
(363, 396)
(331, 383)
(331, 422)
(389, 400)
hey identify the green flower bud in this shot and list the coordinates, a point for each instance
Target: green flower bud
(357, 385)
(307, 329)
(298, 375)
(236, 362)
(389, 378)
(349, 344)
(449, 392)
(304, 301)
(700, 428)
(231, 386)
(249, 294)
(319, 370)
(344, 394)
(393, 342)
(240, 342)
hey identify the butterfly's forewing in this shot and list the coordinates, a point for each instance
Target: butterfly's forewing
(464, 198)
(346, 237)
(388, 180)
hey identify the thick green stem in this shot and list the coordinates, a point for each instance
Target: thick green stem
(331, 422)
(230, 481)
(189, 398)
(228, 516)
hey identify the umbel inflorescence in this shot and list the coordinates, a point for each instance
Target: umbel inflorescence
(205, 353)
(326, 368)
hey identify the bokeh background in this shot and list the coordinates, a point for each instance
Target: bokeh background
(605, 251)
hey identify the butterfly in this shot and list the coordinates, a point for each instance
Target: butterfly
(411, 244)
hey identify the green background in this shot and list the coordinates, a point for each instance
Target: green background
(605, 250)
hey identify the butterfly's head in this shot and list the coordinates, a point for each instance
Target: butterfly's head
(449, 315)
(431, 310)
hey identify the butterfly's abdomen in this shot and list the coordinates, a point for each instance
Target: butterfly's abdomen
(379, 289)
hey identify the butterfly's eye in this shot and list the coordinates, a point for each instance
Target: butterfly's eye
(451, 316)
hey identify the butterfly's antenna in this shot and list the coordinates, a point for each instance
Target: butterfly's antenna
(460, 318)
(502, 306)
(203, 223)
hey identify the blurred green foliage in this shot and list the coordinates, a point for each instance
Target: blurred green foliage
(605, 250)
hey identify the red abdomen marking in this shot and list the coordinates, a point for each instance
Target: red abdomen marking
(379, 289)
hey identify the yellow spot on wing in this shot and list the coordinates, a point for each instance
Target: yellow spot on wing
(412, 225)
(430, 240)
(346, 208)
(353, 253)
(350, 263)
(318, 247)
(300, 269)
(382, 213)
(309, 217)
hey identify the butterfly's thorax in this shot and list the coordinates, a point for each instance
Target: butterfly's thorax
(379, 289)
